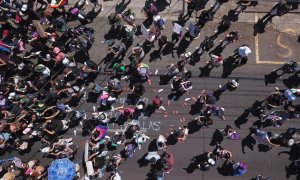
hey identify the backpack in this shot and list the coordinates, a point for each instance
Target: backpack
(197, 30)
(208, 44)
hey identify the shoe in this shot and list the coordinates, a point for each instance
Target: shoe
(276, 88)
(220, 86)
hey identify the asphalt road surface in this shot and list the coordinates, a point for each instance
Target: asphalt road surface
(252, 87)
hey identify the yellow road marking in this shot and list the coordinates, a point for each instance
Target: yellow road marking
(289, 53)
(257, 61)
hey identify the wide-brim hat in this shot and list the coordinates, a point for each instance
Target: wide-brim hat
(92, 85)
(11, 95)
(39, 68)
(156, 18)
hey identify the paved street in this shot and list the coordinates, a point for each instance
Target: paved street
(276, 45)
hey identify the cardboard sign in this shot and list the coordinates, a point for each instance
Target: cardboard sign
(144, 31)
(177, 28)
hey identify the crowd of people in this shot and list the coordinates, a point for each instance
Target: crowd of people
(46, 74)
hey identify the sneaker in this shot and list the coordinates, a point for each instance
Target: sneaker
(220, 86)
(276, 88)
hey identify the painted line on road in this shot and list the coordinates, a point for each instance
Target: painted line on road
(257, 60)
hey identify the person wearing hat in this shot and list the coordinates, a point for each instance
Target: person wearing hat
(119, 70)
(96, 88)
(43, 70)
(130, 32)
(137, 53)
(129, 17)
(159, 22)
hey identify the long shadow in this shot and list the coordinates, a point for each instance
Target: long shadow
(92, 15)
(194, 165)
(149, 110)
(249, 142)
(174, 96)
(217, 138)
(196, 107)
(293, 169)
(161, 5)
(171, 140)
(242, 119)
(292, 81)
(260, 25)
(193, 126)
(107, 59)
(293, 153)
(120, 7)
(169, 49)
(205, 70)
(156, 54)
(195, 58)
(232, 15)
(271, 78)
(146, 47)
(142, 161)
(228, 66)
(226, 169)
(218, 50)
(152, 146)
(182, 46)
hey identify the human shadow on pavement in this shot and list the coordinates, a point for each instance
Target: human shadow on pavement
(249, 142)
(217, 138)
(182, 46)
(228, 66)
(205, 70)
(260, 25)
(292, 81)
(293, 153)
(149, 110)
(194, 165)
(175, 96)
(161, 5)
(218, 49)
(271, 78)
(142, 161)
(242, 119)
(193, 127)
(226, 168)
(196, 107)
(152, 146)
(120, 7)
(293, 169)
(154, 55)
(171, 140)
(168, 49)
